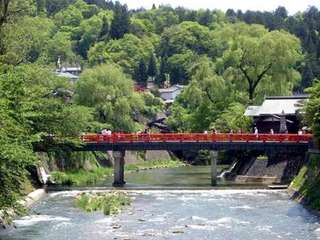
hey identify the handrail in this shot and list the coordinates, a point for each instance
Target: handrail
(193, 137)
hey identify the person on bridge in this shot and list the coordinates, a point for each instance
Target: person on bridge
(106, 132)
(214, 130)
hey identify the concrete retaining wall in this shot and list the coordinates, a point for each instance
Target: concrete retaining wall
(157, 155)
(257, 180)
(33, 197)
(30, 199)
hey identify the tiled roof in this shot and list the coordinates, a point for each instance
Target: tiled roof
(171, 89)
(66, 75)
(275, 106)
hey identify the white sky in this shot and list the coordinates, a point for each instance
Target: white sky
(292, 6)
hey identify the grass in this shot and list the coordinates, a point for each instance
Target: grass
(307, 182)
(109, 203)
(81, 177)
(152, 164)
(84, 177)
(300, 179)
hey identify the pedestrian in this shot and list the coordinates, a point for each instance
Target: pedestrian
(104, 132)
(271, 131)
(256, 131)
(214, 130)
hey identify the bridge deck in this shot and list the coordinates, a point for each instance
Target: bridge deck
(181, 141)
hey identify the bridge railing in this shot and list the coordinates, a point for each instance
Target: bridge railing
(193, 137)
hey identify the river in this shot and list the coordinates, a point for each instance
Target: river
(231, 214)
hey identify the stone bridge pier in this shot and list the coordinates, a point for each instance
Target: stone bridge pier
(119, 168)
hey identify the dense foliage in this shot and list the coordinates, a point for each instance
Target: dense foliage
(306, 183)
(312, 115)
(226, 60)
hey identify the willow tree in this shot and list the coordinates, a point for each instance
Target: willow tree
(203, 99)
(110, 92)
(265, 61)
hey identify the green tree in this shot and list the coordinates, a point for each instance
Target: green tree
(205, 17)
(54, 6)
(152, 67)
(121, 21)
(232, 118)
(186, 36)
(71, 16)
(161, 76)
(89, 31)
(141, 27)
(161, 17)
(312, 116)
(11, 11)
(202, 101)
(265, 60)
(30, 108)
(109, 92)
(26, 40)
(60, 45)
(126, 52)
(141, 74)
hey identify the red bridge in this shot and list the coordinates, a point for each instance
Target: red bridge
(120, 142)
(196, 141)
(117, 138)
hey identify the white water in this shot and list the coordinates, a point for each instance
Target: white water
(174, 214)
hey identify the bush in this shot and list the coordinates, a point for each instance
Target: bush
(109, 203)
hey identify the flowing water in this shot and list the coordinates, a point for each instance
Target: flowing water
(181, 177)
(173, 214)
(187, 176)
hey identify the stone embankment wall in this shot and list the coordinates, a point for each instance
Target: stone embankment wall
(279, 168)
(282, 166)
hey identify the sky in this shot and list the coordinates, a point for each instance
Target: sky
(292, 6)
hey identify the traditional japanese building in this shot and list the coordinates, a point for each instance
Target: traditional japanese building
(169, 94)
(278, 113)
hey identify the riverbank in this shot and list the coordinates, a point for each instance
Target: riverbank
(21, 208)
(305, 188)
(84, 177)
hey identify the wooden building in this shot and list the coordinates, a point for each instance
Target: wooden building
(268, 116)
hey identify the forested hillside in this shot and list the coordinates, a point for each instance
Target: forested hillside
(227, 60)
